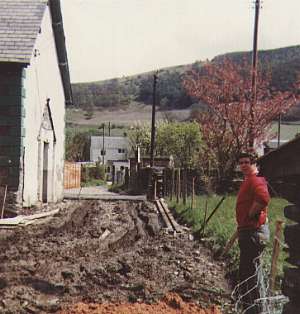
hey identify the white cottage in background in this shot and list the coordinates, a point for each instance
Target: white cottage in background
(109, 148)
(34, 89)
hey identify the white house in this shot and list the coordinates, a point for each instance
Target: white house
(109, 148)
(34, 89)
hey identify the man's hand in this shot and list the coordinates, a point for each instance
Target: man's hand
(255, 210)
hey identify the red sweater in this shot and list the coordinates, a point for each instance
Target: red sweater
(253, 189)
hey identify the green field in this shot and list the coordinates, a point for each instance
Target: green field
(222, 225)
(287, 130)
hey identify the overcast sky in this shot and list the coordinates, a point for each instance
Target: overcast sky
(115, 38)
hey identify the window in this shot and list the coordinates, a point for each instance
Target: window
(121, 150)
(103, 152)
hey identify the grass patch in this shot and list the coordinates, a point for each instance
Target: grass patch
(117, 188)
(93, 182)
(223, 224)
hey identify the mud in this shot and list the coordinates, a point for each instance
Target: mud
(95, 252)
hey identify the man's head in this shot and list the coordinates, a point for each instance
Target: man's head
(247, 162)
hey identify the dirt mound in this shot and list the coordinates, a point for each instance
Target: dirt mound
(104, 252)
(171, 304)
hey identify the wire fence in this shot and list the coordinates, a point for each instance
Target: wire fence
(266, 303)
(253, 295)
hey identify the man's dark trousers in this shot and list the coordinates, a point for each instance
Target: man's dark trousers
(251, 248)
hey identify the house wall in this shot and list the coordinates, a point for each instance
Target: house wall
(43, 81)
(112, 145)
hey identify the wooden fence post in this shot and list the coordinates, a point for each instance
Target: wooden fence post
(205, 214)
(275, 254)
(113, 175)
(165, 190)
(172, 184)
(155, 189)
(3, 204)
(126, 178)
(193, 193)
(178, 186)
(184, 187)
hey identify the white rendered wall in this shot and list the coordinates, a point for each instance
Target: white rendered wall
(111, 147)
(43, 81)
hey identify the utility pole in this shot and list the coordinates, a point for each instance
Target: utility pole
(109, 128)
(254, 72)
(103, 150)
(278, 133)
(153, 120)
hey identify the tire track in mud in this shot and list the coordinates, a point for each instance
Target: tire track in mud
(45, 267)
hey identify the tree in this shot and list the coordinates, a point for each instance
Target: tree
(140, 136)
(77, 146)
(182, 140)
(226, 88)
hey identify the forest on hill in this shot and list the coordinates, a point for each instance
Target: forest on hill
(117, 93)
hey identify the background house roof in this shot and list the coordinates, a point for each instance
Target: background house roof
(113, 142)
(20, 21)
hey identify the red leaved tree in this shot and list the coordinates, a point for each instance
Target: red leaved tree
(226, 126)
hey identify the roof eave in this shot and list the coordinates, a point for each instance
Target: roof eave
(59, 36)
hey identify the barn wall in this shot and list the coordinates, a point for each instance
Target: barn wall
(43, 81)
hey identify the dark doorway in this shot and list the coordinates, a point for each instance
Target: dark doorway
(45, 172)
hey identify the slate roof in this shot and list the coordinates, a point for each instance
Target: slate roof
(20, 21)
(113, 142)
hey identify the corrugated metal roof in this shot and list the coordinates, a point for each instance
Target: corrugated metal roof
(20, 22)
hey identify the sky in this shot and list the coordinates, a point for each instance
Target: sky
(114, 38)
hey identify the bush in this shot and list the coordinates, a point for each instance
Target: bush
(99, 171)
(90, 173)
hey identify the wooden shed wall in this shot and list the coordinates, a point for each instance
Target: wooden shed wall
(72, 175)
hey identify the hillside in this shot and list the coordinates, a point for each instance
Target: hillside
(284, 64)
(119, 93)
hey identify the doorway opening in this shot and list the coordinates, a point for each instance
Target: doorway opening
(45, 172)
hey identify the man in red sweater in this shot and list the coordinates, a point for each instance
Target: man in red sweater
(253, 232)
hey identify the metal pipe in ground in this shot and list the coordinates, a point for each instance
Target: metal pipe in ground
(212, 213)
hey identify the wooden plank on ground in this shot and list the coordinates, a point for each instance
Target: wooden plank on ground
(26, 220)
(173, 221)
(11, 221)
(163, 214)
(41, 215)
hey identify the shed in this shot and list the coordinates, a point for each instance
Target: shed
(282, 169)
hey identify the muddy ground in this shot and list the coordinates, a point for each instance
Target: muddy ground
(94, 252)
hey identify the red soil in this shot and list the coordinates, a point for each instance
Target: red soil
(171, 304)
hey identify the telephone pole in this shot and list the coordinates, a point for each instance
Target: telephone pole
(153, 120)
(254, 71)
(103, 150)
(278, 132)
